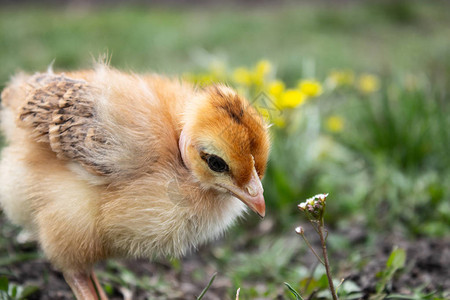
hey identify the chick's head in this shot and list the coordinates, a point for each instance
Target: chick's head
(224, 142)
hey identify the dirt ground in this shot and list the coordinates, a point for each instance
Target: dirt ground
(427, 266)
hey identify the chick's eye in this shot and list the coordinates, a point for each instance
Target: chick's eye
(216, 163)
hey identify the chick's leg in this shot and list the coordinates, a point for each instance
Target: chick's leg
(83, 286)
(100, 290)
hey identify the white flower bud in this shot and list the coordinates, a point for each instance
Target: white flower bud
(299, 230)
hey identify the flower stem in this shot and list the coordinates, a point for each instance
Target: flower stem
(326, 263)
(312, 249)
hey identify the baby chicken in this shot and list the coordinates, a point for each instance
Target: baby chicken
(105, 164)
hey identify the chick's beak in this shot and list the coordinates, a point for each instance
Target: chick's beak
(251, 194)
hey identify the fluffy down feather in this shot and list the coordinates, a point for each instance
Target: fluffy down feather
(95, 166)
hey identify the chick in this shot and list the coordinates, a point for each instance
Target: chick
(104, 164)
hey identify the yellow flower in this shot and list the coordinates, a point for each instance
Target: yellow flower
(335, 123)
(368, 83)
(264, 113)
(279, 122)
(269, 116)
(311, 88)
(341, 78)
(262, 69)
(202, 79)
(291, 99)
(276, 88)
(242, 76)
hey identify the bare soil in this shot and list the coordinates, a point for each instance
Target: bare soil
(428, 262)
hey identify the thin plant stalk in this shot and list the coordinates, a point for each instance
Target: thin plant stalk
(325, 257)
(312, 249)
(314, 209)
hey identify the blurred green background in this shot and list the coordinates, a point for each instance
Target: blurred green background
(386, 167)
(371, 36)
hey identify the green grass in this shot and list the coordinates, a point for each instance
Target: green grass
(364, 37)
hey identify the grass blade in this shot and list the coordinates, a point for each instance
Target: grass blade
(293, 291)
(207, 287)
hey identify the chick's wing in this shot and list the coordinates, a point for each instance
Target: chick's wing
(60, 111)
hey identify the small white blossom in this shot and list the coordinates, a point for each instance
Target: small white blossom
(311, 201)
(314, 204)
(299, 230)
(321, 197)
(302, 206)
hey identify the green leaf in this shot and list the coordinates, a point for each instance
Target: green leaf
(176, 264)
(18, 258)
(4, 282)
(108, 289)
(308, 285)
(348, 287)
(13, 291)
(28, 291)
(207, 287)
(293, 291)
(397, 259)
(323, 281)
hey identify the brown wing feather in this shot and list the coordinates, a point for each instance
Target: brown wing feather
(61, 112)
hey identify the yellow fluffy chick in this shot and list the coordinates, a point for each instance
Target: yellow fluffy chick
(103, 164)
